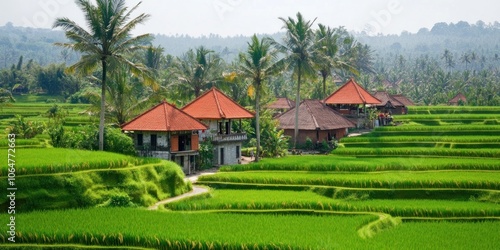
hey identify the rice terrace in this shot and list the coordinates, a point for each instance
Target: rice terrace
(305, 139)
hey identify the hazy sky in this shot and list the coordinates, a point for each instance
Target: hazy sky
(234, 17)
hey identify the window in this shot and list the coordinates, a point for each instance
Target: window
(237, 152)
(154, 142)
(140, 139)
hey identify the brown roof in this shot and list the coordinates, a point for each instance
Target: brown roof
(163, 117)
(214, 104)
(281, 103)
(404, 100)
(385, 98)
(314, 115)
(458, 97)
(351, 93)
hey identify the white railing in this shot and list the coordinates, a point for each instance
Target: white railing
(229, 138)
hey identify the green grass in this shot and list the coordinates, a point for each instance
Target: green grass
(393, 180)
(453, 110)
(419, 151)
(363, 164)
(59, 160)
(440, 128)
(142, 185)
(422, 144)
(439, 235)
(456, 139)
(227, 199)
(132, 227)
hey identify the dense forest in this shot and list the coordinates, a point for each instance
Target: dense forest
(429, 66)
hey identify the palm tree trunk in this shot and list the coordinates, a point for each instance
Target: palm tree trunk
(324, 85)
(257, 121)
(297, 103)
(103, 106)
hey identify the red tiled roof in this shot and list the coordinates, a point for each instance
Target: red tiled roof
(281, 103)
(458, 97)
(163, 117)
(404, 100)
(384, 97)
(214, 104)
(314, 115)
(351, 93)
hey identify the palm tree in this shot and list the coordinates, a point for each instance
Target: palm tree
(106, 42)
(299, 45)
(198, 70)
(258, 64)
(327, 54)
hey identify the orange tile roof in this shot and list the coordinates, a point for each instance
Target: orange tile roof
(457, 98)
(214, 104)
(163, 117)
(351, 93)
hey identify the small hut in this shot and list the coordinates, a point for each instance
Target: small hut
(389, 103)
(458, 100)
(168, 133)
(282, 104)
(317, 121)
(348, 99)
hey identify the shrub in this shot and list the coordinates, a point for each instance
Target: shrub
(86, 137)
(26, 129)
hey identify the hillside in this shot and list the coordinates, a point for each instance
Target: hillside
(37, 44)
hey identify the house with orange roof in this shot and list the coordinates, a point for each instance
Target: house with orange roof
(221, 115)
(349, 97)
(166, 132)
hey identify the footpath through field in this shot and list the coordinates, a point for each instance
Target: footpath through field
(197, 190)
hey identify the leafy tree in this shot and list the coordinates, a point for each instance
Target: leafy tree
(107, 42)
(197, 71)
(299, 47)
(258, 64)
(6, 96)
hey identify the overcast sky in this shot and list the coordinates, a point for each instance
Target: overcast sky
(246, 17)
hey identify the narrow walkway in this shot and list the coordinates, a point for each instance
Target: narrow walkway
(197, 190)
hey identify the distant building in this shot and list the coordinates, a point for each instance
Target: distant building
(317, 121)
(348, 99)
(219, 113)
(459, 99)
(168, 133)
(404, 100)
(282, 104)
(390, 103)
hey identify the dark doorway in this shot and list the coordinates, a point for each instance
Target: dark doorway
(154, 142)
(222, 156)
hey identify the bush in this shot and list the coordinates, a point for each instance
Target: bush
(26, 129)
(87, 137)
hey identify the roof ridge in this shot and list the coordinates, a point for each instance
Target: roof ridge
(312, 114)
(165, 110)
(357, 90)
(218, 104)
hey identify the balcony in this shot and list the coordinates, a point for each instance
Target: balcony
(222, 138)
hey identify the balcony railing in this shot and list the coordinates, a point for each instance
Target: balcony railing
(229, 138)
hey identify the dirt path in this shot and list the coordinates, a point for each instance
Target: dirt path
(197, 190)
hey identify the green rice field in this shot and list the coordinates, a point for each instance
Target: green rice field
(431, 182)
